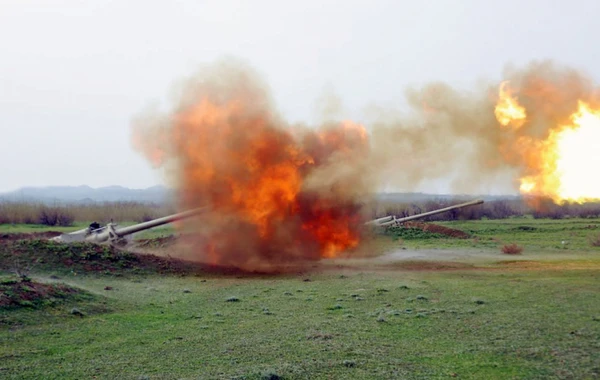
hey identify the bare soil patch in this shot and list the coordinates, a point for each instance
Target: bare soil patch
(437, 229)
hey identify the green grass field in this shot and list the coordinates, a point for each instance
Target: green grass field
(485, 316)
(534, 234)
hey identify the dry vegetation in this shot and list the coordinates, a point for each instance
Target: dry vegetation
(498, 209)
(512, 249)
(66, 215)
(595, 240)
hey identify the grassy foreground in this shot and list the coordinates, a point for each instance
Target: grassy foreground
(507, 320)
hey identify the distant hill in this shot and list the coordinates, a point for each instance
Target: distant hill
(87, 194)
(161, 194)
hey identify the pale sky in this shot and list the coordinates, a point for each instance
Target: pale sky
(74, 73)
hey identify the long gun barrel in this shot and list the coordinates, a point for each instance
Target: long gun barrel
(158, 222)
(378, 221)
(390, 220)
(111, 234)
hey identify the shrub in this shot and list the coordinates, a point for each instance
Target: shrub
(595, 241)
(55, 216)
(146, 217)
(512, 249)
(47, 217)
(64, 218)
(502, 210)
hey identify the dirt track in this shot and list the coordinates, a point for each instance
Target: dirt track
(435, 254)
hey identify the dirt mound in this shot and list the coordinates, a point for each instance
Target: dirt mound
(31, 294)
(437, 229)
(87, 257)
(159, 242)
(12, 236)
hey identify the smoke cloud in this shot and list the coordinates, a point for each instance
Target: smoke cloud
(454, 134)
(278, 194)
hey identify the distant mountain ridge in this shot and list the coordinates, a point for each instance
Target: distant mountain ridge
(160, 194)
(87, 194)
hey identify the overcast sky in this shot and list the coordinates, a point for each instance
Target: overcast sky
(74, 73)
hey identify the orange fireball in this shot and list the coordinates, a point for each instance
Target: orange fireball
(560, 166)
(508, 111)
(277, 194)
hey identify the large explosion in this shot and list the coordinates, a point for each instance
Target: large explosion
(281, 193)
(277, 194)
(535, 131)
(558, 164)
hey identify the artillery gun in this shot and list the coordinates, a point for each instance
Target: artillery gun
(115, 235)
(392, 220)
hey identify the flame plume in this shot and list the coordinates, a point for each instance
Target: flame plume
(562, 162)
(508, 111)
(557, 164)
(278, 194)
